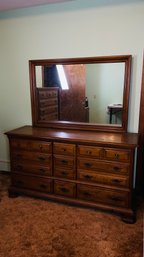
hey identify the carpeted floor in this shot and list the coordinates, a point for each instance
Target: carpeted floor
(36, 228)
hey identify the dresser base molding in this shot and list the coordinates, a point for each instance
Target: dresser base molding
(127, 215)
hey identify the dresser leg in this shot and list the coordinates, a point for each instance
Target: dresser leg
(129, 220)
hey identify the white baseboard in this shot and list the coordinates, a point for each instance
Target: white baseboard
(4, 165)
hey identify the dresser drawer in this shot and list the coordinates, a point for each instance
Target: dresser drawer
(103, 166)
(117, 154)
(92, 176)
(31, 182)
(88, 151)
(64, 173)
(40, 158)
(66, 149)
(64, 188)
(44, 103)
(64, 162)
(99, 195)
(30, 145)
(27, 167)
(48, 93)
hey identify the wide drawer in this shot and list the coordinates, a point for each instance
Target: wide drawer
(103, 166)
(47, 93)
(64, 162)
(64, 188)
(31, 145)
(103, 195)
(64, 173)
(40, 158)
(35, 169)
(31, 182)
(61, 148)
(92, 176)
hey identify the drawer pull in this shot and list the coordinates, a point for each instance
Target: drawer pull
(64, 161)
(64, 190)
(41, 158)
(88, 176)
(88, 165)
(42, 170)
(40, 146)
(116, 181)
(116, 199)
(86, 193)
(63, 149)
(64, 173)
(89, 152)
(117, 156)
(43, 186)
(116, 168)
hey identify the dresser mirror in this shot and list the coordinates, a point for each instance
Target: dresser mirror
(89, 93)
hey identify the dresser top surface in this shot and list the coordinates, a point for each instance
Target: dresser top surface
(124, 139)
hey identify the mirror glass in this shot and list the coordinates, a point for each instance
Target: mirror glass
(85, 91)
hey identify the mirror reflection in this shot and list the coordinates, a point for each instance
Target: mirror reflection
(91, 93)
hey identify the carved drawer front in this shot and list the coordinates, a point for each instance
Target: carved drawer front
(44, 103)
(64, 188)
(64, 173)
(47, 93)
(117, 154)
(99, 195)
(30, 145)
(92, 176)
(49, 110)
(60, 148)
(92, 151)
(50, 116)
(31, 182)
(64, 162)
(41, 158)
(27, 167)
(103, 166)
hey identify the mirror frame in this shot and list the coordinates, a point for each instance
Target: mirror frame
(82, 125)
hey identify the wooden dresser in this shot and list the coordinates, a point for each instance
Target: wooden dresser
(48, 103)
(91, 169)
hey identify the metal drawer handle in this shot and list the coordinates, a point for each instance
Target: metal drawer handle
(88, 176)
(64, 161)
(116, 168)
(117, 156)
(42, 170)
(43, 186)
(64, 190)
(41, 158)
(88, 165)
(116, 199)
(86, 193)
(89, 152)
(116, 181)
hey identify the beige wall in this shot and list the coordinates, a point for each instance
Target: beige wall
(75, 29)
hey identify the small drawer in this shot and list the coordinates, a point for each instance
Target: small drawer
(64, 188)
(67, 149)
(67, 162)
(99, 195)
(32, 183)
(40, 158)
(89, 151)
(64, 173)
(92, 176)
(117, 154)
(49, 110)
(35, 169)
(103, 166)
(30, 145)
